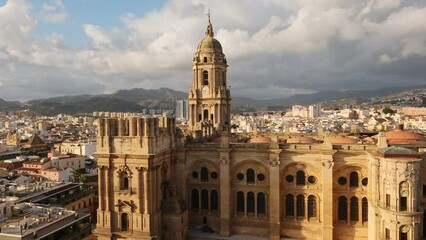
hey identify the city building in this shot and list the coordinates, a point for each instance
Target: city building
(156, 183)
(182, 110)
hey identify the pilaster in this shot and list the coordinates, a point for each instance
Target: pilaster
(327, 195)
(225, 192)
(274, 195)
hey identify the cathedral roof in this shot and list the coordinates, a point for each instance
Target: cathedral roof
(401, 137)
(343, 140)
(302, 140)
(218, 139)
(260, 140)
(396, 151)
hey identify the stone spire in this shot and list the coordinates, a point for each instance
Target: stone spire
(209, 31)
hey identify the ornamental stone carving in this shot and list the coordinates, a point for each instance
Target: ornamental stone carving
(327, 164)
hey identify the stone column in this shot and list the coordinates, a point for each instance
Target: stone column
(225, 192)
(274, 195)
(327, 195)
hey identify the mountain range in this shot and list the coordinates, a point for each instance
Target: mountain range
(137, 99)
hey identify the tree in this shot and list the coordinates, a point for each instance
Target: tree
(388, 110)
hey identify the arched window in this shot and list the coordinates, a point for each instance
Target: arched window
(300, 206)
(125, 183)
(353, 179)
(403, 194)
(250, 175)
(205, 59)
(205, 78)
(261, 208)
(289, 205)
(124, 222)
(204, 199)
(195, 199)
(312, 207)
(250, 202)
(300, 178)
(403, 232)
(240, 202)
(364, 209)
(214, 200)
(205, 114)
(343, 209)
(204, 174)
(354, 209)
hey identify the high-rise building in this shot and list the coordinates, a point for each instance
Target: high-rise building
(182, 110)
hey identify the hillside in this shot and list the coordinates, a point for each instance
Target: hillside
(137, 99)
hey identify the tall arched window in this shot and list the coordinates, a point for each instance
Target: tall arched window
(261, 208)
(289, 205)
(205, 78)
(250, 175)
(353, 179)
(125, 183)
(124, 222)
(205, 115)
(354, 209)
(343, 209)
(403, 232)
(204, 199)
(300, 178)
(195, 199)
(364, 209)
(300, 205)
(312, 207)
(250, 202)
(214, 200)
(240, 202)
(204, 174)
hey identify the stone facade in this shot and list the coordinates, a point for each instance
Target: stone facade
(155, 185)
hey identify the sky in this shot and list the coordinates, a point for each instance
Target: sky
(274, 48)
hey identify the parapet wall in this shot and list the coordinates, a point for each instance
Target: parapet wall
(135, 135)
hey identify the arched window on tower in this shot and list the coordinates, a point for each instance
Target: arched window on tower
(205, 78)
(195, 199)
(300, 206)
(250, 175)
(124, 222)
(205, 59)
(343, 209)
(261, 203)
(250, 202)
(206, 114)
(353, 179)
(204, 174)
(240, 202)
(214, 200)
(289, 205)
(354, 209)
(312, 207)
(204, 199)
(125, 183)
(300, 178)
(364, 209)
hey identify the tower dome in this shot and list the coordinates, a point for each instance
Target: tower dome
(209, 48)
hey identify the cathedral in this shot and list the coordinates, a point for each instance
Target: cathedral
(157, 181)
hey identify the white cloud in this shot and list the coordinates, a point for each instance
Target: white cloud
(292, 46)
(54, 12)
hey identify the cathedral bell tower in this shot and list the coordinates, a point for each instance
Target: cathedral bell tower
(209, 98)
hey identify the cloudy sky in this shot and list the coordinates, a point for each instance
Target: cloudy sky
(275, 48)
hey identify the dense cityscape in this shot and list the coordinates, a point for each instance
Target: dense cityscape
(323, 135)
